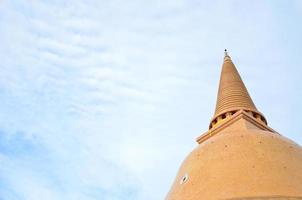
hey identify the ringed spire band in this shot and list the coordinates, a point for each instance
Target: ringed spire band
(232, 95)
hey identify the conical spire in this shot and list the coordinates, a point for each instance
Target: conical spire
(232, 93)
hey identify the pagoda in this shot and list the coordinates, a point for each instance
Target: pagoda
(240, 156)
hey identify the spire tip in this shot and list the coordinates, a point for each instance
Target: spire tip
(226, 52)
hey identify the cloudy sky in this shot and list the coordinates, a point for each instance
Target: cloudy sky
(104, 99)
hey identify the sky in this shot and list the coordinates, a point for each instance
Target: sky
(104, 99)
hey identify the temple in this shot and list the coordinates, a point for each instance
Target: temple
(240, 156)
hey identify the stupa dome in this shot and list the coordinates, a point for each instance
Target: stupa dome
(240, 157)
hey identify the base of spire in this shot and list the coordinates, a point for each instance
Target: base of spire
(248, 116)
(221, 117)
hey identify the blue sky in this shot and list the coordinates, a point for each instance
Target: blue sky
(104, 99)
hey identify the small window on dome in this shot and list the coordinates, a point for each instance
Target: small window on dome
(184, 179)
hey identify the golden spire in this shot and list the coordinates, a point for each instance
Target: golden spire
(232, 93)
(239, 150)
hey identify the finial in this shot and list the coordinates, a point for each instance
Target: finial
(226, 52)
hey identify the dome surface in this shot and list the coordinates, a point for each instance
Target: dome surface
(242, 164)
